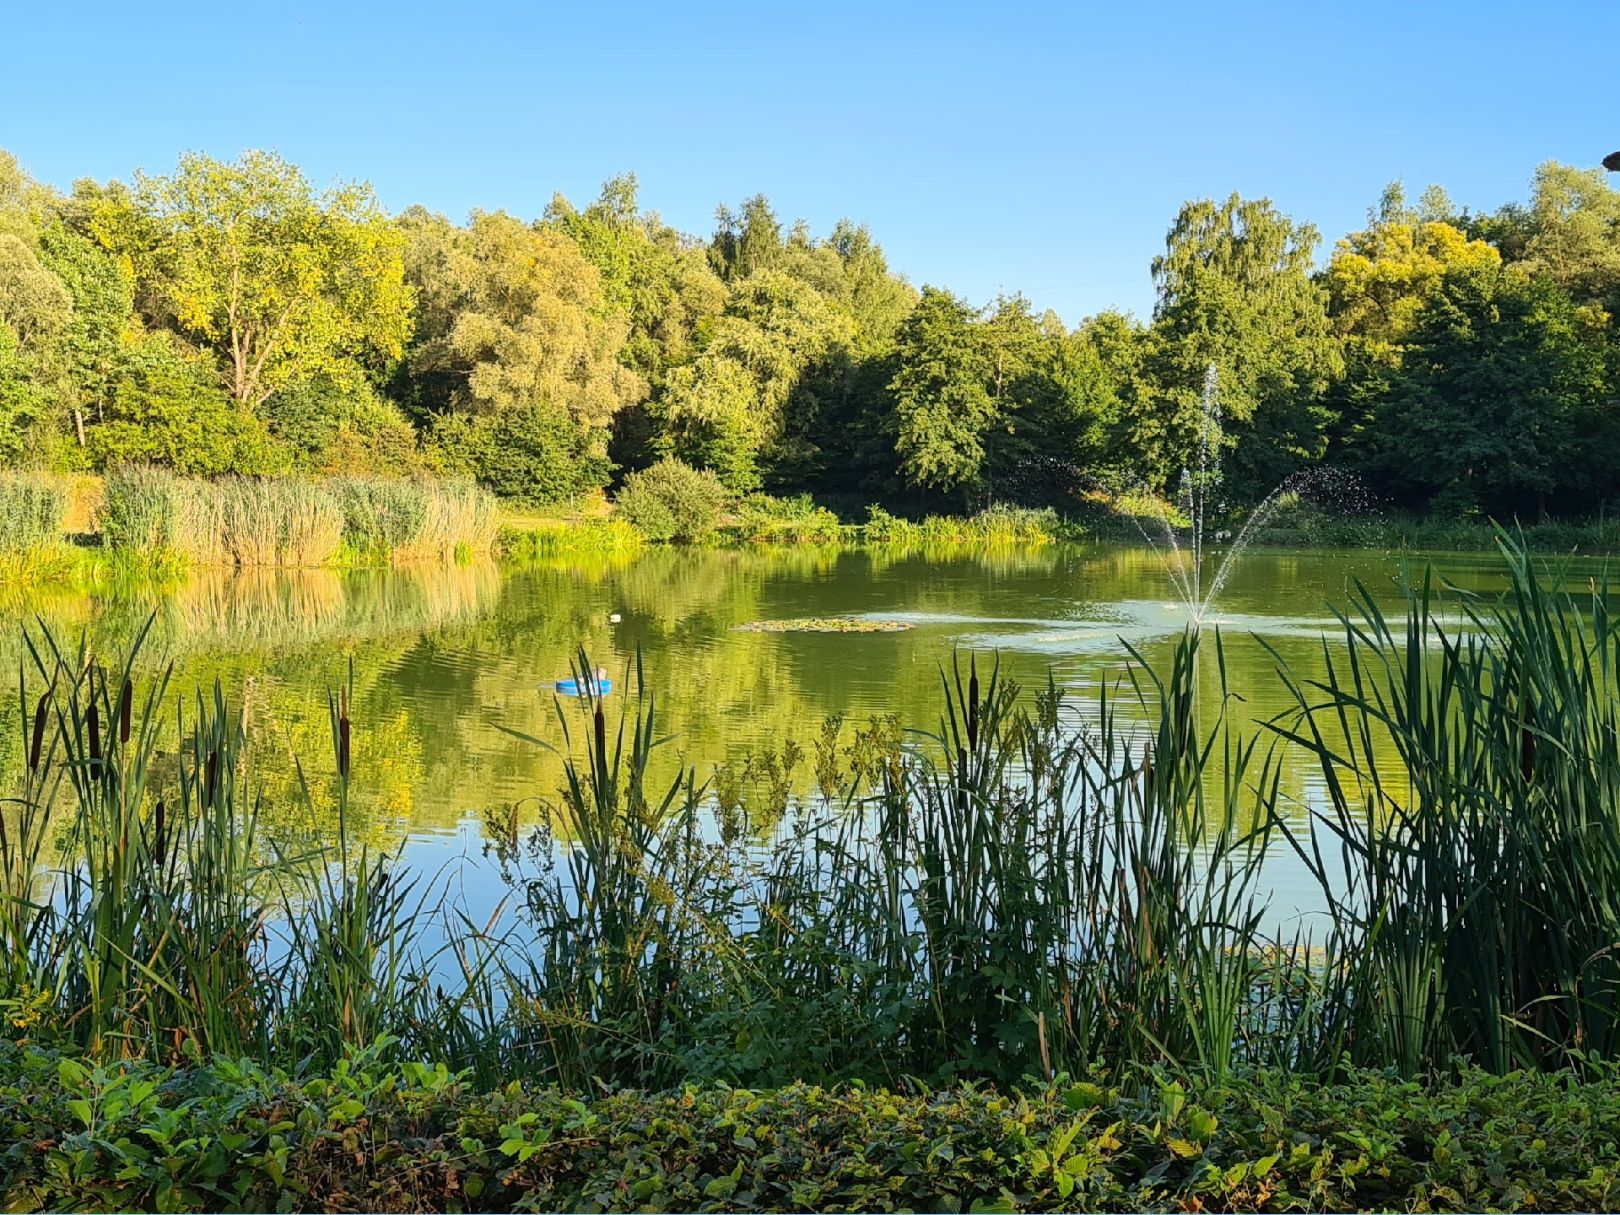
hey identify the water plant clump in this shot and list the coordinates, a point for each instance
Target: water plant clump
(824, 624)
(250, 522)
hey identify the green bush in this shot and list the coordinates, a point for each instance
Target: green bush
(798, 520)
(32, 507)
(165, 407)
(231, 1136)
(670, 501)
(883, 528)
(329, 428)
(534, 456)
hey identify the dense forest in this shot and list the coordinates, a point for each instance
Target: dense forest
(236, 317)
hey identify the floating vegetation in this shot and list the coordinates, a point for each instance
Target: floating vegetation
(824, 624)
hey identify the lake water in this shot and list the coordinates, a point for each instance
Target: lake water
(448, 662)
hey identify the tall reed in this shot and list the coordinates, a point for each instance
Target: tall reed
(1473, 893)
(140, 913)
(293, 522)
(32, 509)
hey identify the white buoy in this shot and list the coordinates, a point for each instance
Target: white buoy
(614, 618)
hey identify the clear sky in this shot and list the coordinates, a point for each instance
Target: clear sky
(1033, 148)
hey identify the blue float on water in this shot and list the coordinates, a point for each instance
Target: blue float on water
(598, 683)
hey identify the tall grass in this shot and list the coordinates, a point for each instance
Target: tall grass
(33, 507)
(1475, 897)
(141, 915)
(1013, 894)
(290, 521)
(996, 525)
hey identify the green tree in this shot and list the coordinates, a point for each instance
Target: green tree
(1235, 288)
(1097, 370)
(747, 241)
(165, 406)
(36, 311)
(282, 283)
(515, 334)
(103, 330)
(943, 403)
(1496, 399)
(1378, 281)
(726, 410)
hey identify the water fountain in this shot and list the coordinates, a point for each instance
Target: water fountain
(1185, 547)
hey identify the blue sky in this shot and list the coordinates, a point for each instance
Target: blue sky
(1041, 148)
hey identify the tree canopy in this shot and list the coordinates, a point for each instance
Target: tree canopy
(234, 316)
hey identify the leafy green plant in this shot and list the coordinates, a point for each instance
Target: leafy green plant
(670, 501)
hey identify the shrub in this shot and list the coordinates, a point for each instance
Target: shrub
(670, 501)
(165, 407)
(796, 520)
(32, 508)
(883, 528)
(535, 456)
(232, 1136)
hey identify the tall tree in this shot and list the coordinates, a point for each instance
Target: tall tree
(1497, 395)
(746, 241)
(726, 410)
(943, 404)
(284, 283)
(1378, 281)
(1235, 288)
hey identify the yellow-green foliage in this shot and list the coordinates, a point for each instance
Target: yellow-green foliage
(798, 520)
(587, 537)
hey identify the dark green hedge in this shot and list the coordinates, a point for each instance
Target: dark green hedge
(229, 1137)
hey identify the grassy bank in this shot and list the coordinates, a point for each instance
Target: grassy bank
(367, 1136)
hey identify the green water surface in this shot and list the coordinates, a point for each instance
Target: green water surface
(448, 662)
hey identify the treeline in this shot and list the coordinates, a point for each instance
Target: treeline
(232, 317)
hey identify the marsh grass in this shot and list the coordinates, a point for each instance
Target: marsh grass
(142, 915)
(1473, 898)
(997, 525)
(293, 522)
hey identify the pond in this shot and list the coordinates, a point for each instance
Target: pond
(451, 664)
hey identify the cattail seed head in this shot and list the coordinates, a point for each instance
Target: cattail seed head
(93, 721)
(126, 701)
(37, 742)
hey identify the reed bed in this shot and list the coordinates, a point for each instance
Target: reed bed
(294, 522)
(995, 525)
(32, 508)
(33, 551)
(1012, 895)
